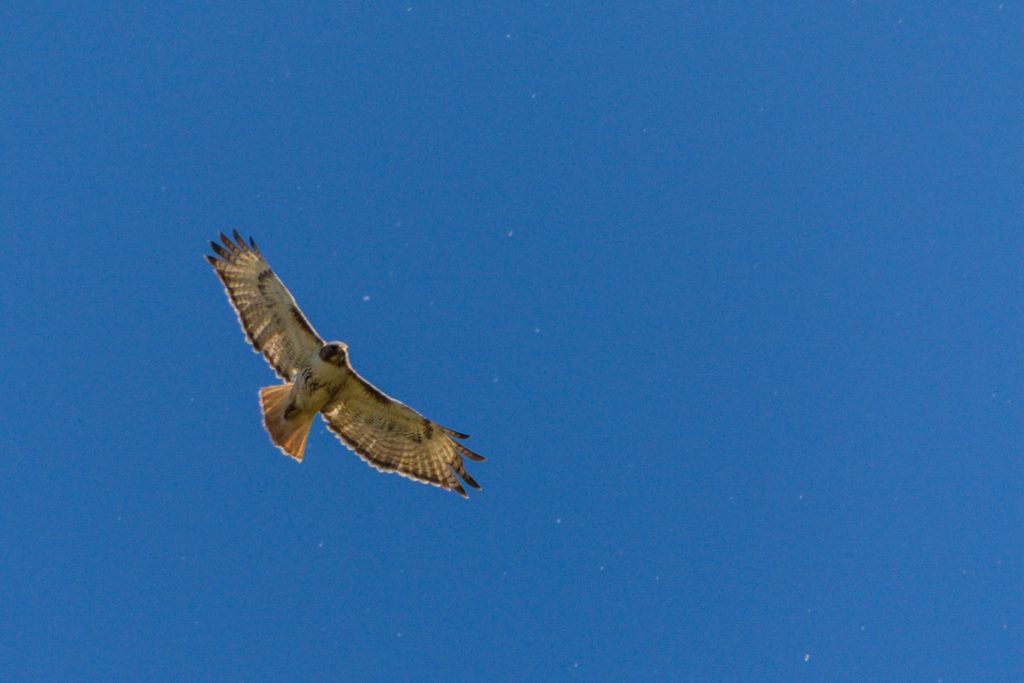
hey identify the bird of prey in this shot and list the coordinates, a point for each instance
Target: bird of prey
(318, 378)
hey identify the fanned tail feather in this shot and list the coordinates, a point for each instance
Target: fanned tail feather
(287, 434)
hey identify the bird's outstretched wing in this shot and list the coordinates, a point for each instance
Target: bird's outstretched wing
(271, 320)
(392, 437)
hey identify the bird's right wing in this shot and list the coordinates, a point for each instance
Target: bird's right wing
(269, 316)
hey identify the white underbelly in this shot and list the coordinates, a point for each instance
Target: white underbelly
(318, 398)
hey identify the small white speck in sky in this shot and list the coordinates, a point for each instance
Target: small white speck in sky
(807, 657)
(366, 297)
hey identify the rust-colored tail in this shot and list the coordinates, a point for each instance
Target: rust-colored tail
(287, 434)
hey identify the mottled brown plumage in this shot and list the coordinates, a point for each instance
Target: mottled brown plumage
(384, 432)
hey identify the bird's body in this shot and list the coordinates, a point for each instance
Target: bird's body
(316, 384)
(318, 379)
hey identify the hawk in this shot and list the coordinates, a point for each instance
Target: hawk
(387, 434)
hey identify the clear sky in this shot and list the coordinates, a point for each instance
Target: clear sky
(729, 295)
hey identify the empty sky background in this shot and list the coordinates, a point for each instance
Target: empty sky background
(730, 295)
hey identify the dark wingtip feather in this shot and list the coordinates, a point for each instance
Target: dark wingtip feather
(451, 432)
(229, 244)
(221, 251)
(459, 490)
(468, 453)
(469, 480)
(212, 260)
(238, 238)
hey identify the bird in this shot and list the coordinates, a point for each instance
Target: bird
(318, 378)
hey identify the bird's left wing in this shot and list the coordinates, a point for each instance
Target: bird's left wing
(392, 437)
(269, 316)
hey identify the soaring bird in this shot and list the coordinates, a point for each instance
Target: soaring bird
(318, 378)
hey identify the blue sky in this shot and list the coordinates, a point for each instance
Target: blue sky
(729, 295)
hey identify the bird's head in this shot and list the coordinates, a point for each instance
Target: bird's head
(335, 353)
